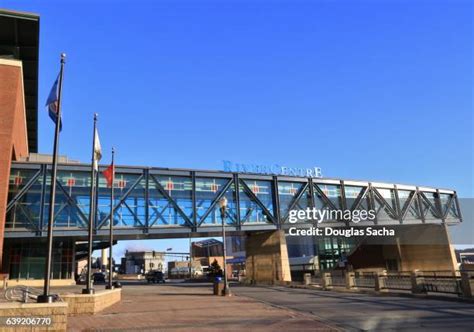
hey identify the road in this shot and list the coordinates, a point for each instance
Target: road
(175, 306)
(356, 312)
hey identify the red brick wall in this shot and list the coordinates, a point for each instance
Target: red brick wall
(13, 134)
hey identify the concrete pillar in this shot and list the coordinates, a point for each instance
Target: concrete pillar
(350, 282)
(105, 258)
(417, 282)
(13, 131)
(326, 280)
(307, 279)
(380, 281)
(467, 284)
(267, 258)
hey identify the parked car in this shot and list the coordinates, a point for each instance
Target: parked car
(98, 278)
(155, 277)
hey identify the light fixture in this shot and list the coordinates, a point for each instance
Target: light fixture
(223, 203)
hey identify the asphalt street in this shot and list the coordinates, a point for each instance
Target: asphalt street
(356, 312)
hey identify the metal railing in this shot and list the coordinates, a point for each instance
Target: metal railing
(338, 278)
(439, 282)
(317, 278)
(364, 279)
(25, 294)
(397, 281)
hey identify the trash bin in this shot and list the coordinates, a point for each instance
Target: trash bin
(218, 286)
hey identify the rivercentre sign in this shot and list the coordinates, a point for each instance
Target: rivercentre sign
(275, 169)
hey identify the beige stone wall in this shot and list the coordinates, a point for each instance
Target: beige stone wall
(427, 257)
(424, 247)
(267, 257)
(91, 304)
(56, 311)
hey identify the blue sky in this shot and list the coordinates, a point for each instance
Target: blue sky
(376, 90)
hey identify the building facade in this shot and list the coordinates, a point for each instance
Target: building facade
(154, 202)
(141, 262)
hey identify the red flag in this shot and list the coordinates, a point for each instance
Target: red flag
(109, 174)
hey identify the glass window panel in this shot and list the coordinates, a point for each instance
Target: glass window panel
(78, 186)
(231, 213)
(27, 261)
(162, 211)
(382, 211)
(18, 179)
(332, 192)
(65, 214)
(453, 210)
(250, 211)
(444, 200)
(131, 212)
(405, 196)
(389, 197)
(287, 192)
(430, 211)
(207, 190)
(351, 193)
(25, 213)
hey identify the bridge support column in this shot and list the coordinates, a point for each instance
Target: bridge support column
(267, 258)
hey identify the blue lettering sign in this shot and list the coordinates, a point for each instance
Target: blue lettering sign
(275, 169)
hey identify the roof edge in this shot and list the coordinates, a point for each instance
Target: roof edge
(19, 14)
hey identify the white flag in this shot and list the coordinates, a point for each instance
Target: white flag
(97, 151)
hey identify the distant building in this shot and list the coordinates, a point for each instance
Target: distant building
(301, 265)
(206, 251)
(180, 269)
(142, 261)
(465, 258)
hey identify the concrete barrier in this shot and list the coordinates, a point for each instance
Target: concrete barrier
(417, 282)
(350, 282)
(57, 313)
(326, 281)
(91, 304)
(307, 278)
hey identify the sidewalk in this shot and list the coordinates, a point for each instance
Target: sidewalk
(185, 307)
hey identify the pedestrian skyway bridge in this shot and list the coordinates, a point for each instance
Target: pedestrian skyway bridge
(160, 203)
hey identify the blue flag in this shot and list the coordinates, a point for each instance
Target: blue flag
(53, 103)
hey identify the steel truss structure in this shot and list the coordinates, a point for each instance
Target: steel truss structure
(158, 202)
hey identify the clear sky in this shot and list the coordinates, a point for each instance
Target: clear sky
(374, 90)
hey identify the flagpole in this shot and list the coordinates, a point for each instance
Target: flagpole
(89, 289)
(111, 229)
(46, 297)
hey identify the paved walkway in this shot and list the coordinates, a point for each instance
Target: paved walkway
(191, 307)
(364, 312)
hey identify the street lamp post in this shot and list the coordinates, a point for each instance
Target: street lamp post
(223, 208)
